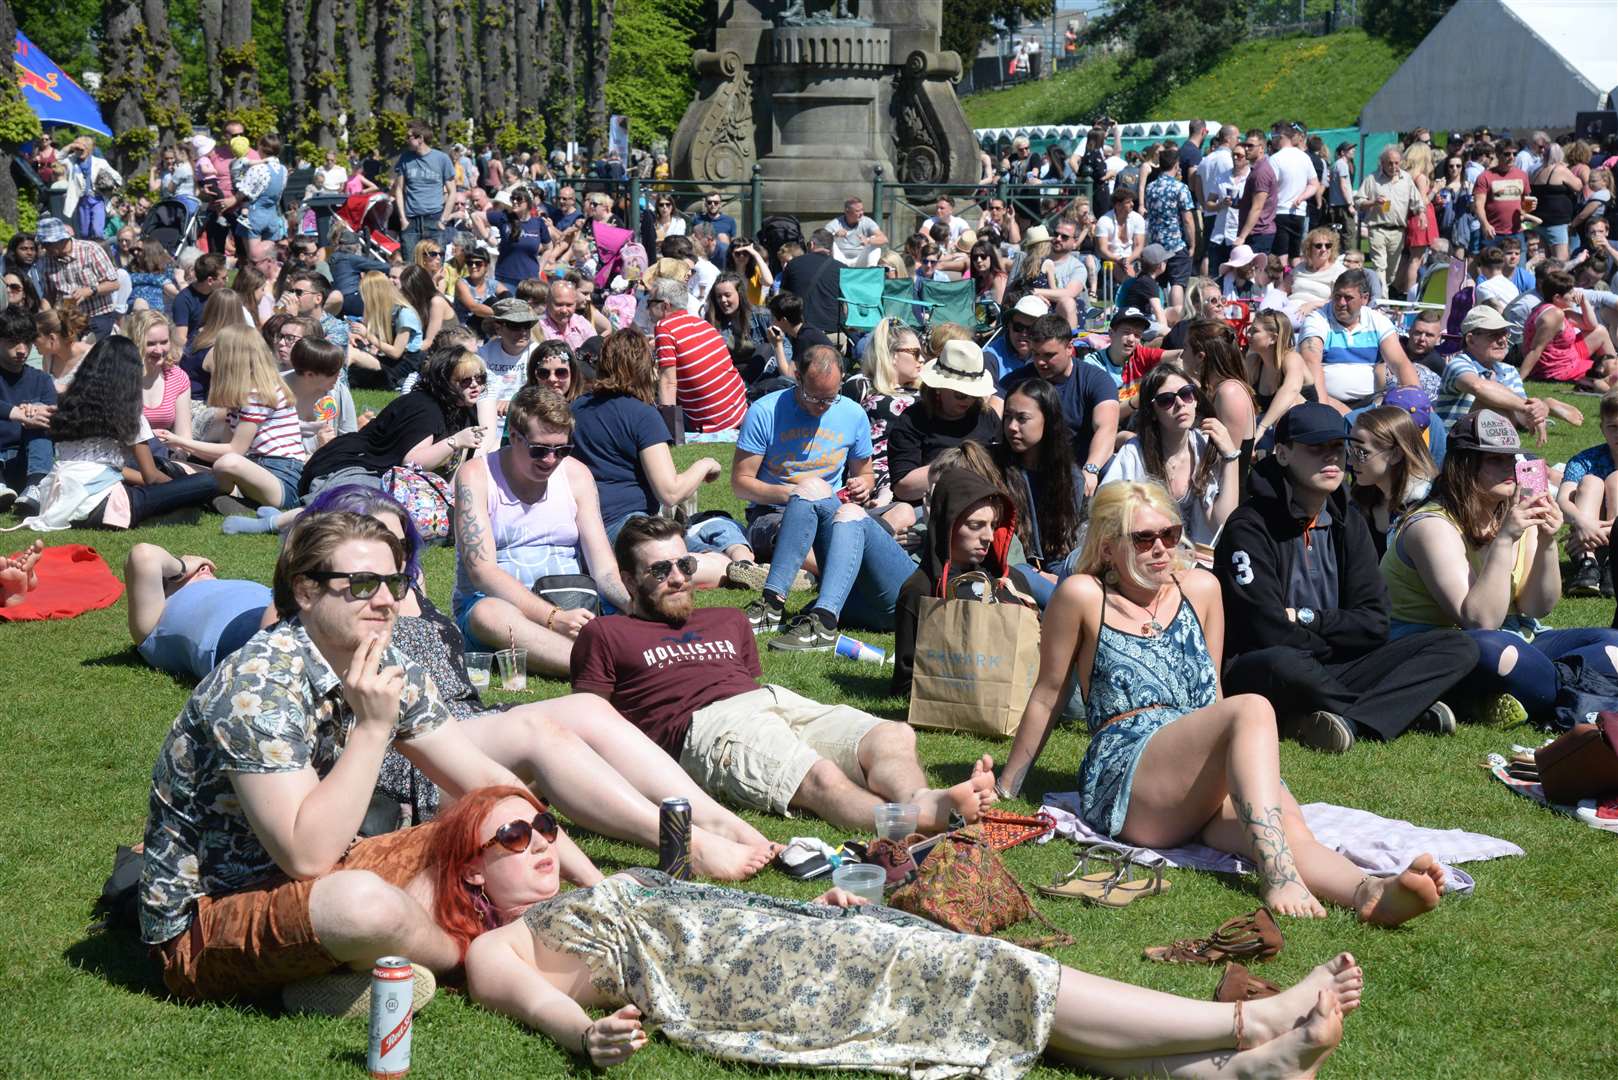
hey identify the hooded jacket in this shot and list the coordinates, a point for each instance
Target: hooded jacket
(954, 494)
(1254, 561)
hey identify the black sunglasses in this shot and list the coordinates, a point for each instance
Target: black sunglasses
(480, 379)
(660, 570)
(1022, 326)
(363, 584)
(1167, 398)
(515, 836)
(1144, 540)
(541, 451)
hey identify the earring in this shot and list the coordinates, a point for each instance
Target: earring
(1111, 576)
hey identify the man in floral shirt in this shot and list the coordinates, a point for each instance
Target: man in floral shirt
(1171, 222)
(253, 880)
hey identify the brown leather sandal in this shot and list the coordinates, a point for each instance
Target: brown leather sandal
(1239, 984)
(1253, 937)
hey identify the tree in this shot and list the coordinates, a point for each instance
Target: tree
(1403, 22)
(211, 13)
(163, 105)
(18, 124)
(122, 83)
(599, 59)
(297, 37)
(445, 33)
(492, 33)
(326, 102)
(1160, 31)
(395, 71)
(361, 67)
(650, 79)
(238, 64)
(533, 64)
(968, 22)
(566, 94)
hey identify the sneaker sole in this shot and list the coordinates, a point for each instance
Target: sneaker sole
(347, 994)
(1319, 732)
(1583, 589)
(785, 645)
(746, 577)
(1504, 711)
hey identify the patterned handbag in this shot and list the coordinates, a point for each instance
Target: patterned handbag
(963, 885)
(426, 497)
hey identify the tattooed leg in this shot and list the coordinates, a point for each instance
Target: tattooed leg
(1283, 889)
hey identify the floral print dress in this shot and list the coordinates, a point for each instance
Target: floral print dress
(755, 978)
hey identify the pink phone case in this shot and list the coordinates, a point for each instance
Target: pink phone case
(1532, 480)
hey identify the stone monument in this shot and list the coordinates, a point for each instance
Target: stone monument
(819, 95)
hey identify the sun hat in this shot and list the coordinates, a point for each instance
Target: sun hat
(960, 368)
(240, 146)
(1485, 432)
(509, 309)
(52, 230)
(202, 144)
(1240, 256)
(1037, 234)
(1483, 317)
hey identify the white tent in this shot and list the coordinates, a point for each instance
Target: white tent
(1504, 64)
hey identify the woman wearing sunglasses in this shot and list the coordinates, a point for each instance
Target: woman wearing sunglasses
(1171, 759)
(524, 513)
(1184, 447)
(476, 290)
(669, 221)
(705, 964)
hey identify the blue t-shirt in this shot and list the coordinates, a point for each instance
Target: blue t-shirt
(424, 178)
(795, 444)
(1080, 393)
(724, 226)
(28, 386)
(188, 305)
(999, 359)
(520, 245)
(609, 432)
(405, 318)
(1596, 462)
(202, 624)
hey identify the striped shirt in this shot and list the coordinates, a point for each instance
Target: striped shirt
(709, 388)
(1348, 353)
(278, 435)
(86, 266)
(1453, 400)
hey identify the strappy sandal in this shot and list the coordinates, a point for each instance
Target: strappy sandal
(1115, 888)
(1252, 937)
(1239, 984)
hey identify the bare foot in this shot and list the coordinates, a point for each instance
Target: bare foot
(1563, 411)
(1300, 1051)
(714, 856)
(734, 828)
(1390, 901)
(28, 560)
(969, 798)
(13, 584)
(1294, 899)
(1271, 1017)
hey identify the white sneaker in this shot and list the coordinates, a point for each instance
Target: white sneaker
(27, 503)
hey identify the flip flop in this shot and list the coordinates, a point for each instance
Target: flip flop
(1251, 937)
(1114, 888)
(1239, 984)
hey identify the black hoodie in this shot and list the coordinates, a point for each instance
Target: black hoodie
(955, 493)
(1254, 563)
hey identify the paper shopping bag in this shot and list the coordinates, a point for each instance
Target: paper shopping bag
(976, 665)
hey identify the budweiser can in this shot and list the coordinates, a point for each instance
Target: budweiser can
(674, 838)
(393, 986)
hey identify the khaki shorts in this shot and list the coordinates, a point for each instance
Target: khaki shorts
(754, 749)
(252, 942)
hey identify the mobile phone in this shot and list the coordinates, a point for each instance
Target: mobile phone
(843, 494)
(1532, 479)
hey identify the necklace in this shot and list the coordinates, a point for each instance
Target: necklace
(1151, 627)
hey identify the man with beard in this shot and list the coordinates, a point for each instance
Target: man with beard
(688, 677)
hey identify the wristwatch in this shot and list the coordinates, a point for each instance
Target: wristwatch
(1306, 616)
(1092, 468)
(1234, 455)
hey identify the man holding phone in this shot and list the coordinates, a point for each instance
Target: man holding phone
(1306, 609)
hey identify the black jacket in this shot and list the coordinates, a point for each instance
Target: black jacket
(956, 492)
(1253, 561)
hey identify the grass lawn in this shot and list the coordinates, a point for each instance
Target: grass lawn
(1324, 81)
(1513, 981)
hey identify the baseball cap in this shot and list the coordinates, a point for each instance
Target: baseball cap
(1131, 314)
(1034, 307)
(1311, 423)
(1485, 432)
(1483, 317)
(1413, 400)
(512, 310)
(1155, 254)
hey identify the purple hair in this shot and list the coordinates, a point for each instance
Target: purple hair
(371, 501)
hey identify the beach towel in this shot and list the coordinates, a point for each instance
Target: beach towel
(73, 579)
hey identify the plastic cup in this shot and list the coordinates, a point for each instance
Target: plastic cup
(478, 665)
(895, 821)
(1385, 204)
(861, 879)
(513, 669)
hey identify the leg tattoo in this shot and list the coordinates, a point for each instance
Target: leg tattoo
(1270, 847)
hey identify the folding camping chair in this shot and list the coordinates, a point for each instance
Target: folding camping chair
(861, 289)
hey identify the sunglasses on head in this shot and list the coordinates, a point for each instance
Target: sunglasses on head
(1145, 539)
(660, 570)
(515, 836)
(1167, 398)
(541, 451)
(363, 584)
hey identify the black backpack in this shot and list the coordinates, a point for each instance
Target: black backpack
(778, 229)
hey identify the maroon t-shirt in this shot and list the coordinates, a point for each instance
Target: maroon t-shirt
(657, 675)
(1261, 177)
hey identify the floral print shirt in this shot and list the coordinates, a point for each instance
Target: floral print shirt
(1166, 199)
(274, 706)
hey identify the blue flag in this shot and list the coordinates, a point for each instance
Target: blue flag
(52, 93)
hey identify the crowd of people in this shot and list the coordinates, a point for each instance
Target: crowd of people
(1311, 518)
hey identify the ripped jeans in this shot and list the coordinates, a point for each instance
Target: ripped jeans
(1530, 675)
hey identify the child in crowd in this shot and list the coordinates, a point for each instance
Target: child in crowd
(1493, 286)
(1589, 499)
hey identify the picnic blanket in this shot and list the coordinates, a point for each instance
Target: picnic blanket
(1376, 844)
(1592, 812)
(73, 579)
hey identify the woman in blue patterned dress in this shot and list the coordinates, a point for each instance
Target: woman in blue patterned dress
(759, 979)
(1171, 759)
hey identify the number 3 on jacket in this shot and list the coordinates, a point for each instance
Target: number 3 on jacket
(1243, 567)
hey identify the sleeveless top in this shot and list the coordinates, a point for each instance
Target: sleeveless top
(264, 214)
(1133, 673)
(1555, 203)
(531, 540)
(1561, 360)
(1409, 600)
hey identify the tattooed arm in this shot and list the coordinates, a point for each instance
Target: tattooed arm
(474, 545)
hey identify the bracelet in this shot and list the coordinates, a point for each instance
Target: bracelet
(1234, 455)
(551, 617)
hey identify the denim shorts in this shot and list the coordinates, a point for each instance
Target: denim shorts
(285, 469)
(1552, 234)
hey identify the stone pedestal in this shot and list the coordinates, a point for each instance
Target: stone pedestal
(820, 105)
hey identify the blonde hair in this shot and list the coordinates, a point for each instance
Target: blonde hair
(245, 371)
(942, 334)
(1191, 306)
(381, 299)
(223, 309)
(1277, 323)
(1112, 516)
(1324, 233)
(140, 323)
(890, 334)
(1419, 159)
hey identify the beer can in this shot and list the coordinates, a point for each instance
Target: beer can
(674, 838)
(855, 649)
(393, 987)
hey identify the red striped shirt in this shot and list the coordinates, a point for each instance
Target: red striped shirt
(709, 388)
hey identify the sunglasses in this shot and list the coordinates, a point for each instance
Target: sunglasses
(433, 254)
(1167, 398)
(1022, 326)
(541, 451)
(515, 836)
(362, 584)
(660, 570)
(1145, 540)
(13, 286)
(813, 400)
(554, 373)
(480, 379)
(1359, 453)
(1321, 247)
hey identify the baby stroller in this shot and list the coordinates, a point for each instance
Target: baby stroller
(172, 223)
(368, 213)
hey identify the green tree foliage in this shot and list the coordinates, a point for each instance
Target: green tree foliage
(68, 30)
(1403, 22)
(968, 22)
(1182, 38)
(651, 80)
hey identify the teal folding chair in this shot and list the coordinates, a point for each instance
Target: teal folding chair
(953, 301)
(861, 293)
(899, 302)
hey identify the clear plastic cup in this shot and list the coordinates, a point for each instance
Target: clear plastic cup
(513, 669)
(895, 821)
(478, 667)
(861, 879)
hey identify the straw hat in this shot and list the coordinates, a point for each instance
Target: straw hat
(960, 368)
(1036, 234)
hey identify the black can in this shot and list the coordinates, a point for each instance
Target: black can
(674, 838)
